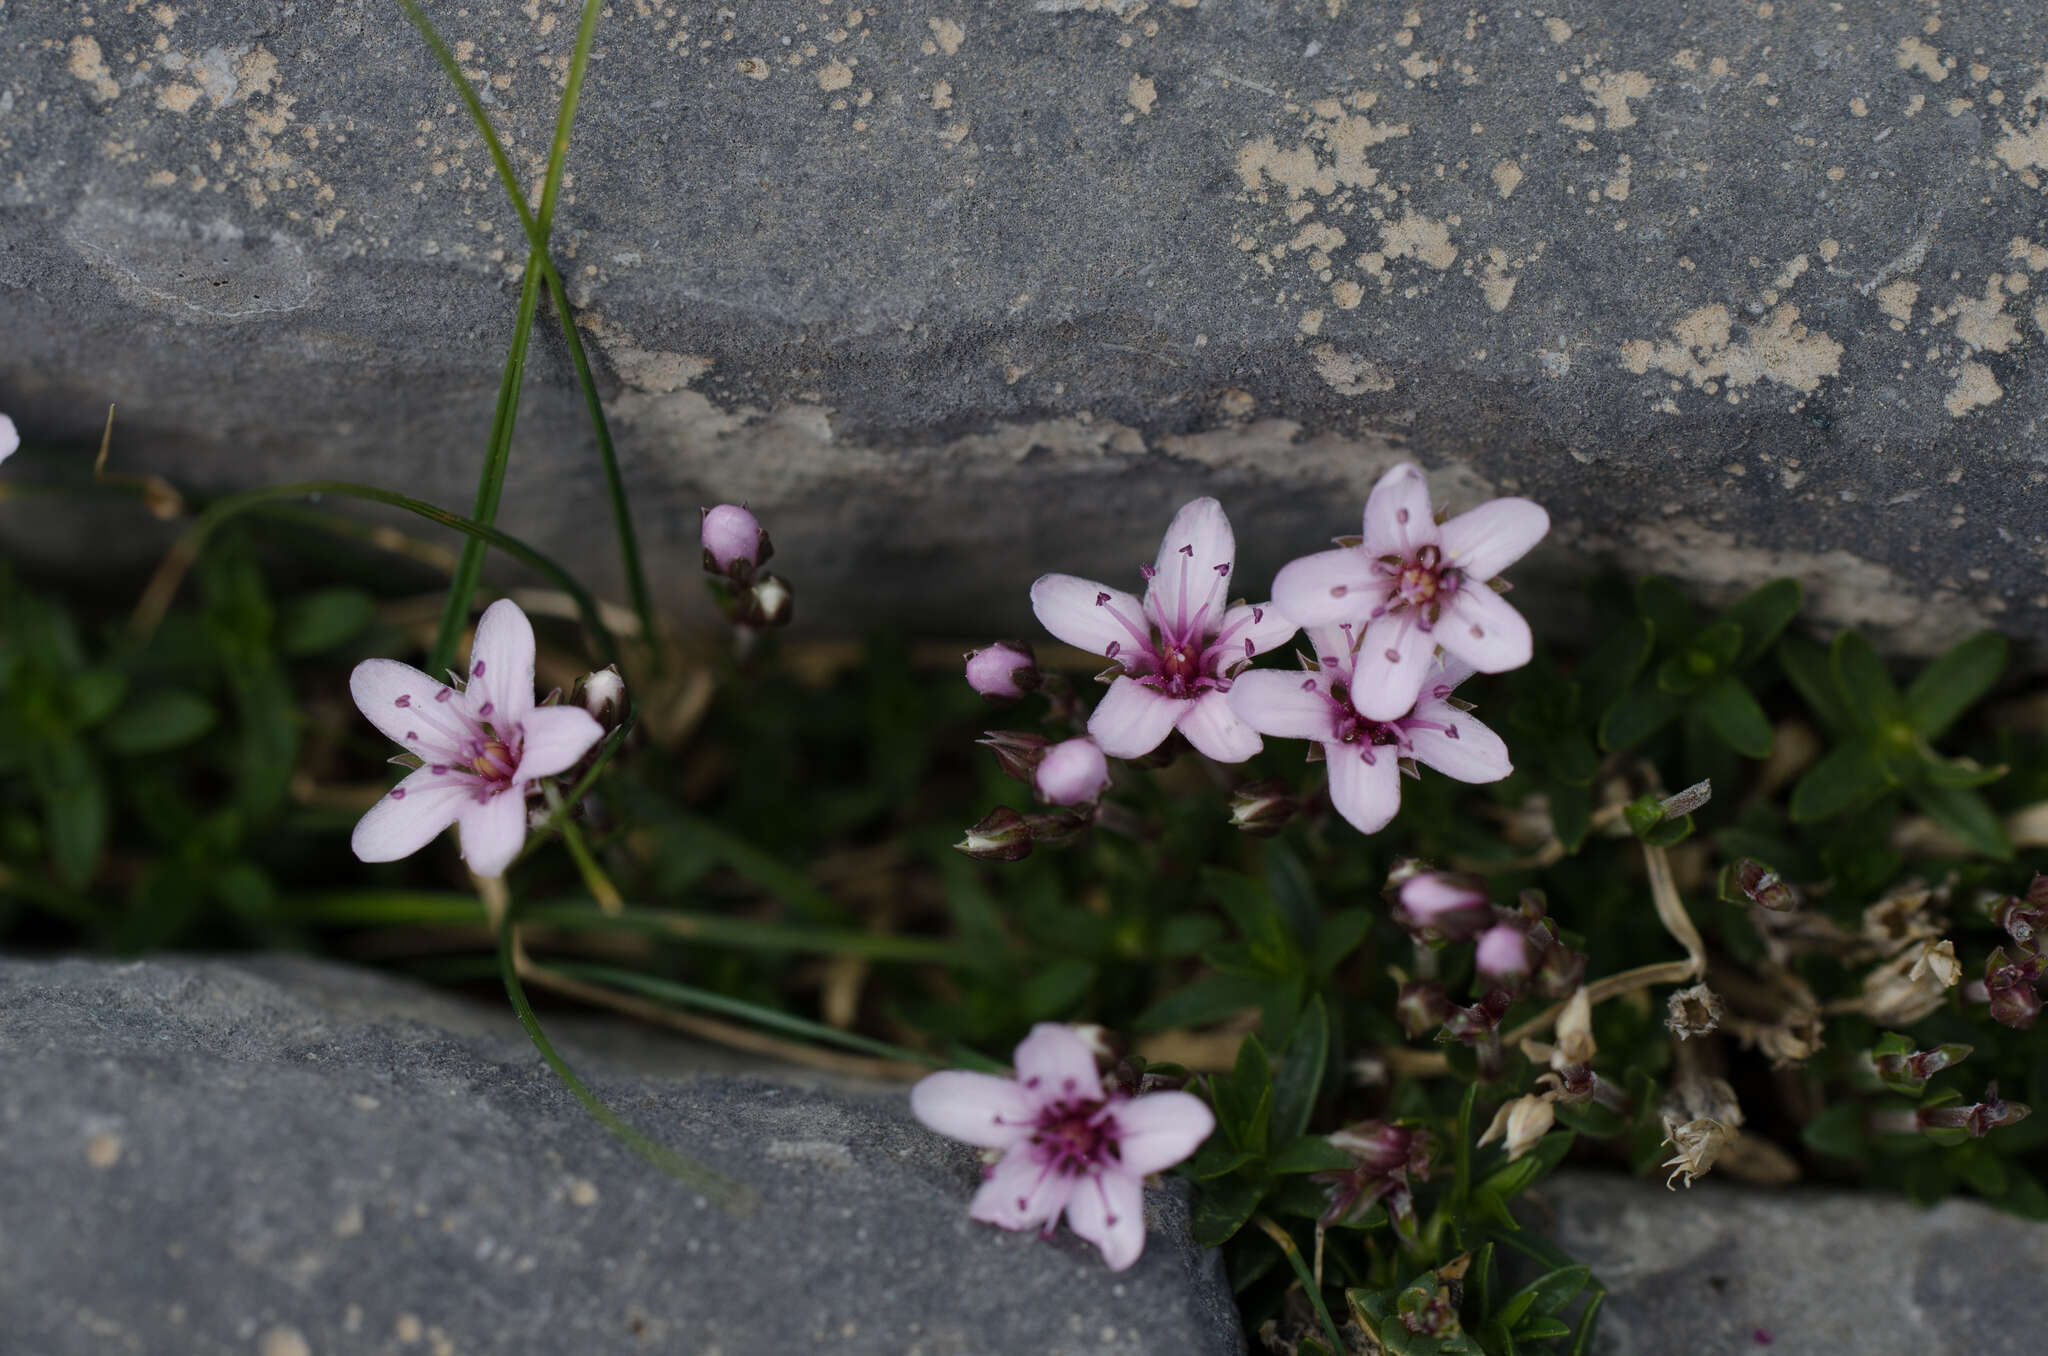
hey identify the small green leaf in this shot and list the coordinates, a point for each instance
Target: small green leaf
(1244, 1098)
(1663, 604)
(1638, 714)
(1953, 683)
(1733, 714)
(1837, 1132)
(1761, 616)
(92, 695)
(1209, 999)
(1614, 664)
(1551, 1292)
(1967, 815)
(319, 621)
(169, 718)
(75, 810)
(1221, 1209)
(1299, 1076)
(1216, 1158)
(1871, 697)
(1339, 937)
(1806, 664)
(1849, 777)
(1543, 1329)
(1310, 1153)
(1054, 991)
(1940, 771)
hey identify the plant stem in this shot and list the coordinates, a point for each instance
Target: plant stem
(594, 879)
(1308, 1280)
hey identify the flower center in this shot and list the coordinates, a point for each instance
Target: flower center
(1421, 581)
(495, 762)
(1075, 1137)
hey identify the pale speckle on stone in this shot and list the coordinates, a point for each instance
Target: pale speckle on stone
(284, 1342)
(103, 1150)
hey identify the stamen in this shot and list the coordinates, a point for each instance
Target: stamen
(398, 793)
(404, 699)
(477, 669)
(443, 694)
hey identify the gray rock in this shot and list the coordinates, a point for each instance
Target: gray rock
(968, 289)
(1799, 1273)
(287, 1157)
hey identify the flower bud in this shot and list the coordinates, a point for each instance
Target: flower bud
(1059, 827)
(1073, 772)
(1754, 883)
(1264, 807)
(1002, 672)
(1385, 1155)
(2009, 984)
(1422, 1007)
(603, 694)
(1018, 752)
(1503, 954)
(1976, 1120)
(1523, 1121)
(1441, 905)
(9, 439)
(1908, 1073)
(768, 603)
(1000, 836)
(734, 543)
(2024, 920)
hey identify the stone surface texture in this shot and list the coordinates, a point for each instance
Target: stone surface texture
(291, 1158)
(1725, 1269)
(959, 290)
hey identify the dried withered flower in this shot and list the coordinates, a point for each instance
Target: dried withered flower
(1701, 1116)
(1523, 1121)
(1696, 1011)
(1911, 984)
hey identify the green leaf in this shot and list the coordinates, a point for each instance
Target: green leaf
(1216, 1158)
(1551, 1292)
(1512, 1179)
(1867, 690)
(1244, 1098)
(1967, 815)
(1293, 893)
(1054, 991)
(1663, 604)
(1849, 777)
(1589, 1324)
(168, 718)
(1953, 683)
(1612, 667)
(1837, 1132)
(1640, 713)
(1339, 937)
(1251, 906)
(1310, 1153)
(1209, 999)
(1733, 714)
(319, 621)
(1221, 1209)
(1300, 1074)
(93, 694)
(1761, 616)
(1806, 664)
(1711, 652)
(1940, 771)
(1571, 814)
(1544, 1329)
(75, 810)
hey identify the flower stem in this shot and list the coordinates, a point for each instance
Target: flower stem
(594, 879)
(1308, 1280)
(734, 1197)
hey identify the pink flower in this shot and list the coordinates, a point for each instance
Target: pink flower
(1414, 585)
(1068, 1143)
(734, 542)
(9, 439)
(1364, 753)
(1178, 650)
(1072, 772)
(481, 747)
(1002, 672)
(1503, 952)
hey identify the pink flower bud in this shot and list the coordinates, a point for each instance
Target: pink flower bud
(1002, 672)
(9, 439)
(1018, 752)
(1503, 953)
(604, 695)
(1439, 904)
(1073, 772)
(1264, 807)
(1000, 836)
(734, 543)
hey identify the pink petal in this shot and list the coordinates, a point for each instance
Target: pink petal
(1327, 587)
(1477, 754)
(556, 736)
(1265, 626)
(1021, 1193)
(1109, 1211)
(1366, 794)
(493, 831)
(409, 817)
(1276, 702)
(410, 709)
(1087, 615)
(1131, 720)
(1397, 514)
(981, 1109)
(1486, 540)
(1160, 1129)
(1186, 576)
(1393, 661)
(1215, 730)
(501, 665)
(1055, 1064)
(1481, 628)
(9, 438)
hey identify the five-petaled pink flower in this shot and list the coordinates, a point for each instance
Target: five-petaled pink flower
(481, 747)
(1364, 754)
(1068, 1143)
(1414, 584)
(1178, 650)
